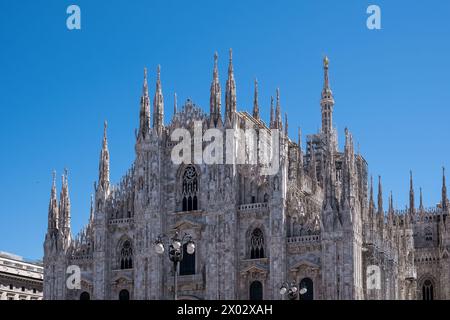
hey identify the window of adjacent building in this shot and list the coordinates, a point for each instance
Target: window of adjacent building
(11, 287)
(126, 255)
(34, 290)
(190, 189)
(257, 244)
(187, 265)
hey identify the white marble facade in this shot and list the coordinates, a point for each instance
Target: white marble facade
(314, 222)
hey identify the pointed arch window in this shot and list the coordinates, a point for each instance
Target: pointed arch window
(427, 291)
(126, 255)
(124, 295)
(187, 265)
(85, 296)
(189, 189)
(257, 244)
(256, 290)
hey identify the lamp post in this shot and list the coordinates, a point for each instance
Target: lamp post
(291, 289)
(175, 252)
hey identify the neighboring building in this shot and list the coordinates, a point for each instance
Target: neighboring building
(314, 222)
(20, 279)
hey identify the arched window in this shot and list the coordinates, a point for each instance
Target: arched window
(189, 190)
(256, 290)
(187, 265)
(257, 244)
(126, 255)
(85, 296)
(124, 295)
(428, 234)
(266, 197)
(307, 283)
(427, 291)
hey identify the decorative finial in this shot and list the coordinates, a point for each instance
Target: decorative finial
(54, 177)
(216, 56)
(231, 54)
(326, 62)
(145, 74)
(158, 72)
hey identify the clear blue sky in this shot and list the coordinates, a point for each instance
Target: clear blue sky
(58, 86)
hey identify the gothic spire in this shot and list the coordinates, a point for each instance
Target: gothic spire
(53, 206)
(380, 197)
(64, 205)
(327, 103)
(255, 102)
(300, 159)
(174, 103)
(272, 121)
(391, 203)
(421, 201)
(286, 124)
(411, 194)
(444, 191)
(144, 114)
(91, 211)
(158, 104)
(371, 200)
(278, 123)
(215, 99)
(230, 95)
(103, 170)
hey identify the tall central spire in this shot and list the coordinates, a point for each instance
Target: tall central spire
(327, 104)
(144, 114)
(230, 95)
(215, 100)
(158, 104)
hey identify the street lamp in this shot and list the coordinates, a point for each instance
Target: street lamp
(175, 252)
(292, 290)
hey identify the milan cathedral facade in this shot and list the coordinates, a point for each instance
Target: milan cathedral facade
(315, 222)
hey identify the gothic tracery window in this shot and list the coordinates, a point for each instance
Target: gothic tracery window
(126, 255)
(190, 189)
(428, 234)
(257, 244)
